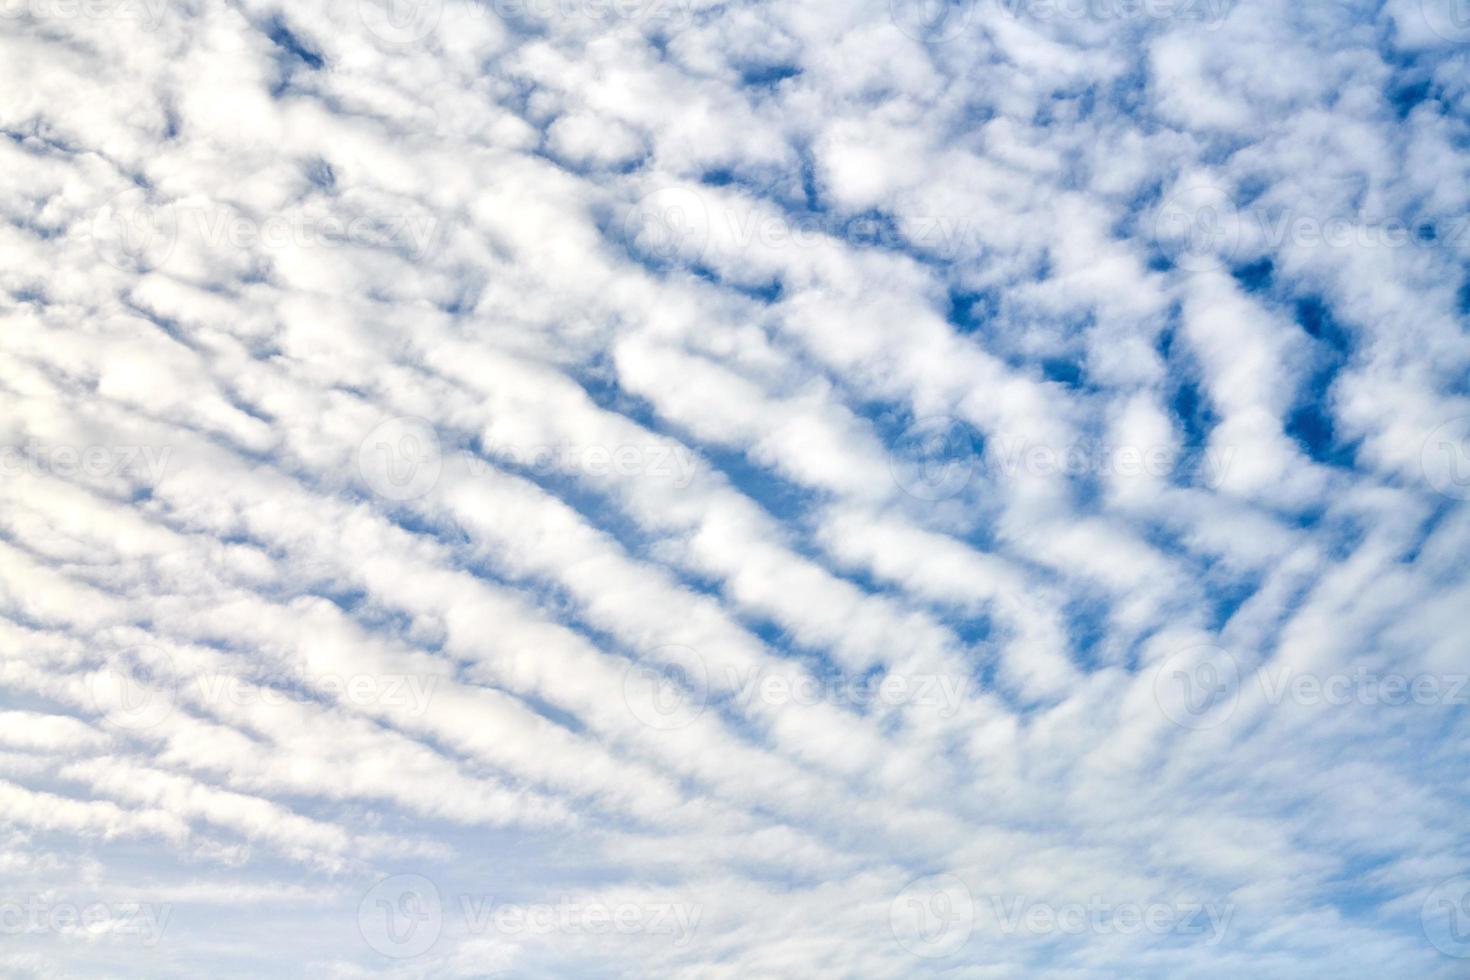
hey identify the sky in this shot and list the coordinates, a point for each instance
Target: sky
(679, 488)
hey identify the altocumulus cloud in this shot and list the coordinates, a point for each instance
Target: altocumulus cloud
(671, 488)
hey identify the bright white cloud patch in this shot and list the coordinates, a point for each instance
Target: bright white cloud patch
(595, 488)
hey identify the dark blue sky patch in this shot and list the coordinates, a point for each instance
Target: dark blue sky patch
(293, 47)
(970, 310)
(767, 76)
(1191, 408)
(1256, 277)
(321, 174)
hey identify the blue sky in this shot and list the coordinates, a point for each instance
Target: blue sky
(587, 488)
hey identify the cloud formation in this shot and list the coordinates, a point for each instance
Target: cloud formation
(659, 488)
